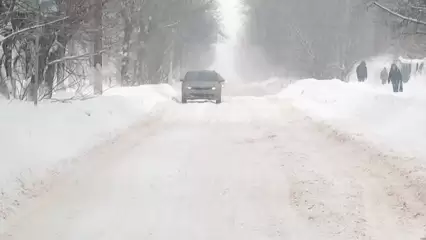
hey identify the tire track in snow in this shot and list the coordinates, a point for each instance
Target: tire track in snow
(251, 168)
(390, 189)
(89, 162)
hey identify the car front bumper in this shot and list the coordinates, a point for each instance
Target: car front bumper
(201, 94)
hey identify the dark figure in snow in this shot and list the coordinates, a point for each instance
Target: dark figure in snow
(421, 68)
(384, 76)
(361, 71)
(406, 72)
(395, 77)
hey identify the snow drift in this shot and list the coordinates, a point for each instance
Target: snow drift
(395, 121)
(36, 142)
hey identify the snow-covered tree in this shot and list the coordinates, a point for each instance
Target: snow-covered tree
(157, 34)
(406, 20)
(142, 40)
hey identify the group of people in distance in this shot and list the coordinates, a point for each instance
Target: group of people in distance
(396, 75)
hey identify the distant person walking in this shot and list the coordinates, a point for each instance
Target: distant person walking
(384, 76)
(361, 71)
(395, 77)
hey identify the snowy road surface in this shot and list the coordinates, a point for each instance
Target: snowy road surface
(250, 168)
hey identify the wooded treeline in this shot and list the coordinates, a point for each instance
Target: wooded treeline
(82, 43)
(324, 39)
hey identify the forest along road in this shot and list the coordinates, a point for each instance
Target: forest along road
(250, 168)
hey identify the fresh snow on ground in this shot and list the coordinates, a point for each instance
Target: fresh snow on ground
(392, 120)
(38, 142)
(251, 168)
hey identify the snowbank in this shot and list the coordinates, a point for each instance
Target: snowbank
(35, 141)
(396, 121)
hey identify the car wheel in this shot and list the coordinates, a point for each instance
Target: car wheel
(184, 100)
(218, 101)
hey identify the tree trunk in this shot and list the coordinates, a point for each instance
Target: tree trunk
(50, 71)
(136, 70)
(49, 76)
(97, 39)
(28, 62)
(125, 78)
(60, 68)
(140, 68)
(139, 64)
(7, 52)
(45, 43)
(170, 75)
(136, 64)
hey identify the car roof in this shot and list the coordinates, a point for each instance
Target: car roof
(204, 74)
(201, 71)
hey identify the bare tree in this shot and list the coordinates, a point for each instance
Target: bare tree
(156, 35)
(321, 39)
(407, 23)
(146, 41)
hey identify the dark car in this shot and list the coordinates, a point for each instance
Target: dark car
(204, 84)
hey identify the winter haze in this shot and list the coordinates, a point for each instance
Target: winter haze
(212, 119)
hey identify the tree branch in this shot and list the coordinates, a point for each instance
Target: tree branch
(74, 57)
(418, 8)
(397, 14)
(31, 28)
(171, 24)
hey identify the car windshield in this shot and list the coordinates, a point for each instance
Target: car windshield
(201, 76)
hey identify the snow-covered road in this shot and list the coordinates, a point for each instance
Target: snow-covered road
(250, 168)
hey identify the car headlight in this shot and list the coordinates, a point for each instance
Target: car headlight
(213, 88)
(189, 87)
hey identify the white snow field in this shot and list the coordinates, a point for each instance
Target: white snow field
(250, 168)
(373, 113)
(38, 143)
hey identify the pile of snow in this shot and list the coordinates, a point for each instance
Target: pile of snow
(395, 121)
(35, 141)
